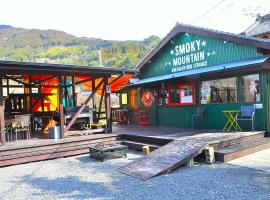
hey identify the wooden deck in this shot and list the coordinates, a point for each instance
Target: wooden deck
(185, 145)
(24, 151)
(158, 131)
(173, 146)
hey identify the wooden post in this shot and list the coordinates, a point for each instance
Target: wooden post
(30, 94)
(62, 123)
(61, 108)
(73, 92)
(93, 87)
(146, 150)
(108, 106)
(101, 100)
(65, 91)
(2, 115)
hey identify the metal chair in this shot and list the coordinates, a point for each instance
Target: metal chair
(22, 124)
(198, 115)
(247, 113)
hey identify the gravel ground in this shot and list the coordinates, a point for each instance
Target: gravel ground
(83, 178)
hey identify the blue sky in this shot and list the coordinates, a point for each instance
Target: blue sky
(129, 19)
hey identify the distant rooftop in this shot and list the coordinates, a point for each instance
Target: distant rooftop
(260, 27)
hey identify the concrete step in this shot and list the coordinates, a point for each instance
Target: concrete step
(138, 145)
(242, 149)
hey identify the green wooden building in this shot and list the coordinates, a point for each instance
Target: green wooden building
(194, 67)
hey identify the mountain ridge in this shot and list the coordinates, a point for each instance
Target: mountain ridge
(59, 47)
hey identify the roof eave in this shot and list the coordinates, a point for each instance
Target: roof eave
(61, 68)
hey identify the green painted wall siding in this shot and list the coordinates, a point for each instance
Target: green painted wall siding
(175, 116)
(215, 52)
(213, 117)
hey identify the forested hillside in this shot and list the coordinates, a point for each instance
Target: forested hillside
(52, 46)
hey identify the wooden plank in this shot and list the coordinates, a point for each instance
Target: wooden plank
(243, 149)
(84, 132)
(51, 143)
(177, 153)
(138, 146)
(163, 160)
(51, 149)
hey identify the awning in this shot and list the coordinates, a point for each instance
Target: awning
(115, 82)
(205, 70)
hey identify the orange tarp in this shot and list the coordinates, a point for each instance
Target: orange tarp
(51, 101)
(116, 85)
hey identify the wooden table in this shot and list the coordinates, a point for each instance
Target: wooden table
(230, 115)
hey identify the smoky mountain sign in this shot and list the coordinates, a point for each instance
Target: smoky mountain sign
(188, 51)
(189, 55)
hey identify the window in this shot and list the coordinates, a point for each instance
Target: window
(124, 99)
(186, 92)
(251, 88)
(163, 95)
(174, 97)
(182, 94)
(219, 91)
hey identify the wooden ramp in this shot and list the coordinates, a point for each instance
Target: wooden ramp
(163, 160)
(181, 150)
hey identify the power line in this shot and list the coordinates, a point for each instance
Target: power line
(230, 5)
(223, 9)
(209, 10)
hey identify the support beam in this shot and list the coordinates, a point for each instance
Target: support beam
(65, 90)
(2, 115)
(108, 106)
(83, 106)
(16, 80)
(116, 79)
(73, 92)
(93, 87)
(30, 94)
(61, 108)
(79, 82)
(62, 121)
(43, 80)
(101, 100)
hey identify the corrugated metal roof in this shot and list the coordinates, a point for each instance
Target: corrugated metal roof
(261, 26)
(14, 67)
(205, 70)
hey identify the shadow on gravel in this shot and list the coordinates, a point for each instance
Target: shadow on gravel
(65, 187)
